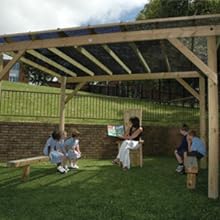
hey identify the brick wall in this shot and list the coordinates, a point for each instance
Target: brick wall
(20, 140)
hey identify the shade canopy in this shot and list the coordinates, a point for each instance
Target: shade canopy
(112, 49)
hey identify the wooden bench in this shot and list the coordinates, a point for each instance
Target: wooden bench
(191, 169)
(25, 164)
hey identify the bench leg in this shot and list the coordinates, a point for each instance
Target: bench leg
(191, 180)
(26, 172)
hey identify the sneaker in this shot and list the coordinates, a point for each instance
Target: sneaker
(179, 168)
(75, 167)
(61, 170)
(67, 169)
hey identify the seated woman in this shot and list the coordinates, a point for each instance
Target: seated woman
(131, 141)
(53, 149)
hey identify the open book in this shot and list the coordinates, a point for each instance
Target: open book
(115, 130)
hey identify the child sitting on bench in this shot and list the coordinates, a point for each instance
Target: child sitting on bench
(196, 147)
(182, 148)
(53, 149)
(71, 146)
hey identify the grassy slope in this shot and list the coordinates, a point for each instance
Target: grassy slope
(100, 191)
(96, 108)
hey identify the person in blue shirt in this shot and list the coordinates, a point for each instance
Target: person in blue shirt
(196, 147)
(182, 148)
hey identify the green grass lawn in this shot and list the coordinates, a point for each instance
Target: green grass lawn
(100, 190)
(41, 104)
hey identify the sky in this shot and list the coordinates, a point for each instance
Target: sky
(34, 15)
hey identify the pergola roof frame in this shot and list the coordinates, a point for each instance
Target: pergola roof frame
(141, 31)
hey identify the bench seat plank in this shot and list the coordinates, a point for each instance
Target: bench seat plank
(27, 161)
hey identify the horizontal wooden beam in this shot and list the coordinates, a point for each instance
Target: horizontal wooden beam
(71, 60)
(210, 30)
(78, 87)
(51, 62)
(137, 76)
(11, 63)
(194, 59)
(189, 88)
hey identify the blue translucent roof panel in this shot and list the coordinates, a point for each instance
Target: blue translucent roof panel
(20, 38)
(111, 29)
(79, 32)
(2, 40)
(48, 35)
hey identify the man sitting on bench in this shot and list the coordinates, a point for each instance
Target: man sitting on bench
(196, 147)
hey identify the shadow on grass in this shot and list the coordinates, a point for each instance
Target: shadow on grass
(100, 190)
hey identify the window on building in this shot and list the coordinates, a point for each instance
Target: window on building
(14, 73)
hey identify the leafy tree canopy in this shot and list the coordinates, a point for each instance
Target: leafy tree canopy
(175, 8)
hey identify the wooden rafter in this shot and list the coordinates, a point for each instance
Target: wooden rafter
(136, 76)
(71, 60)
(116, 58)
(188, 88)
(140, 56)
(130, 36)
(11, 63)
(51, 62)
(194, 59)
(39, 67)
(93, 59)
(36, 65)
(78, 87)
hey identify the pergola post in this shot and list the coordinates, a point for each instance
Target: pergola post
(1, 62)
(203, 124)
(213, 122)
(62, 103)
(1, 68)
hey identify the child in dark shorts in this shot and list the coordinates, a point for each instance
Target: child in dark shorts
(182, 148)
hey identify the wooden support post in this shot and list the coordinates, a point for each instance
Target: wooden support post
(1, 68)
(213, 154)
(191, 181)
(191, 168)
(203, 124)
(26, 172)
(1, 62)
(62, 103)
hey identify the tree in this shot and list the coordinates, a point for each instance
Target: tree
(175, 8)
(36, 76)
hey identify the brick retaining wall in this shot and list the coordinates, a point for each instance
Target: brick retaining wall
(20, 140)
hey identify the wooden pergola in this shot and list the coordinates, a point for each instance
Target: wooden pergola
(120, 51)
